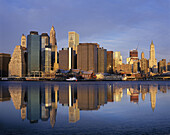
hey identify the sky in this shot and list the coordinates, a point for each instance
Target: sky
(117, 25)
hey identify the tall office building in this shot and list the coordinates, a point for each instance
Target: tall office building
(23, 41)
(152, 59)
(143, 64)
(4, 61)
(162, 66)
(47, 58)
(87, 56)
(102, 60)
(53, 44)
(44, 44)
(67, 58)
(109, 61)
(73, 40)
(34, 52)
(17, 64)
(118, 58)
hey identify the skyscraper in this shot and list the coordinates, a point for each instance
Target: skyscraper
(4, 61)
(67, 59)
(87, 56)
(152, 59)
(53, 44)
(17, 65)
(23, 41)
(45, 43)
(34, 52)
(162, 66)
(109, 61)
(73, 40)
(143, 64)
(102, 60)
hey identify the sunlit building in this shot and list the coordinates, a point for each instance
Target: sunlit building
(73, 40)
(102, 60)
(152, 59)
(87, 56)
(23, 41)
(143, 64)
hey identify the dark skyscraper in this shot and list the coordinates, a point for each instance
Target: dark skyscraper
(34, 52)
(109, 61)
(4, 61)
(102, 60)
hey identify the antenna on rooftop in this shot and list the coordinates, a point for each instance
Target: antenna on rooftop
(137, 46)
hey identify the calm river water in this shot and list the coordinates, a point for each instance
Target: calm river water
(108, 107)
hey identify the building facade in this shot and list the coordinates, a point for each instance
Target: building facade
(162, 66)
(17, 64)
(102, 60)
(23, 41)
(4, 61)
(34, 52)
(109, 61)
(73, 40)
(87, 56)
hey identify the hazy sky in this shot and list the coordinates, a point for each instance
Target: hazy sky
(117, 25)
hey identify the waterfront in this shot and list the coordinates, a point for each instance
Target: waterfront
(110, 107)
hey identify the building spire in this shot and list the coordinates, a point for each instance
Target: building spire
(152, 42)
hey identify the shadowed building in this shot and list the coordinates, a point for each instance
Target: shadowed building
(168, 66)
(73, 40)
(34, 52)
(87, 56)
(102, 60)
(162, 66)
(109, 61)
(17, 64)
(67, 59)
(4, 61)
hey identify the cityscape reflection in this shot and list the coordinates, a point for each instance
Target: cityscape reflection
(40, 102)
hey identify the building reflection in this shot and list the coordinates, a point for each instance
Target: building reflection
(40, 102)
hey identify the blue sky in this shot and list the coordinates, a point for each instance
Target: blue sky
(117, 25)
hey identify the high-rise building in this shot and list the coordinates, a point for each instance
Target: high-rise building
(23, 41)
(4, 61)
(87, 56)
(117, 59)
(47, 58)
(143, 64)
(17, 64)
(73, 40)
(44, 43)
(162, 66)
(67, 59)
(34, 52)
(109, 61)
(102, 60)
(152, 59)
(168, 66)
(53, 43)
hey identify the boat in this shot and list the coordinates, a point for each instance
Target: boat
(72, 79)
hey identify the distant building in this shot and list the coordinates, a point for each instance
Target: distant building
(45, 42)
(152, 59)
(34, 52)
(23, 41)
(17, 64)
(102, 60)
(168, 66)
(109, 61)
(125, 68)
(143, 64)
(53, 43)
(162, 66)
(117, 60)
(73, 40)
(67, 59)
(4, 61)
(47, 58)
(87, 56)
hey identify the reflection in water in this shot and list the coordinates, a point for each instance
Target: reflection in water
(40, 101)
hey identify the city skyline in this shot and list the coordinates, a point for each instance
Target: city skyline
(113, 28)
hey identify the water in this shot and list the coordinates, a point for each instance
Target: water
(85, 107)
